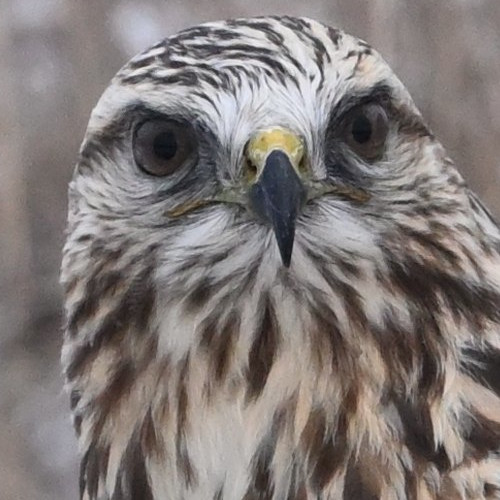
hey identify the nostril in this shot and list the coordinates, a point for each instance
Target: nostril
(303, 166)
(250, 169)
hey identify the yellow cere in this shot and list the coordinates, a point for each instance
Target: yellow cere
(276, 138)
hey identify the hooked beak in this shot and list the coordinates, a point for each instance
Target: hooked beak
(278, 193)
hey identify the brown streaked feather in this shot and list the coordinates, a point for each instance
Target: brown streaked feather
(263, 350)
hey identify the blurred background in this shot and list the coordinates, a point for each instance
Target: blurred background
(56, 57)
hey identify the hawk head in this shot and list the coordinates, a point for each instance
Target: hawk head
(262, 225)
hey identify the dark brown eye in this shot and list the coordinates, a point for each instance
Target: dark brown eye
(163, 146)
(365, 131)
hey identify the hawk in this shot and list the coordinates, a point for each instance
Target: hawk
(277, 285)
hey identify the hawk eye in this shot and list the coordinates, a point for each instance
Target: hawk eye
(365, 130)
(163, 146)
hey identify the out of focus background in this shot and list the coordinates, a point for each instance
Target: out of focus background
(56, 57)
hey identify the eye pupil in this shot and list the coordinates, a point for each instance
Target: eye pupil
(361, 129)
(365, 129)
(165, 145)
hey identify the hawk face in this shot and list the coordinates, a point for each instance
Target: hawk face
(275, 279)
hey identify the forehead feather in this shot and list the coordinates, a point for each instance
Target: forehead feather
(281, 68)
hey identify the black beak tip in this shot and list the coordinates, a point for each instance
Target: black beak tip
(285, 234)
(286, 256)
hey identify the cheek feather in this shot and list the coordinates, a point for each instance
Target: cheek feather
(203, 231)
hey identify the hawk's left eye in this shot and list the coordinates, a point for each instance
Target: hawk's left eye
(365, 130)
(163, 146)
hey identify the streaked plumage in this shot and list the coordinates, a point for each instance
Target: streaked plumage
(200, 366)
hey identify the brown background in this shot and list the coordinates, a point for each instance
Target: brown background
(56, 57)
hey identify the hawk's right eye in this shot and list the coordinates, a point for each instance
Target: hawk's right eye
(163, 146)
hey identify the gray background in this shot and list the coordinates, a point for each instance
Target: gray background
(56, 57)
